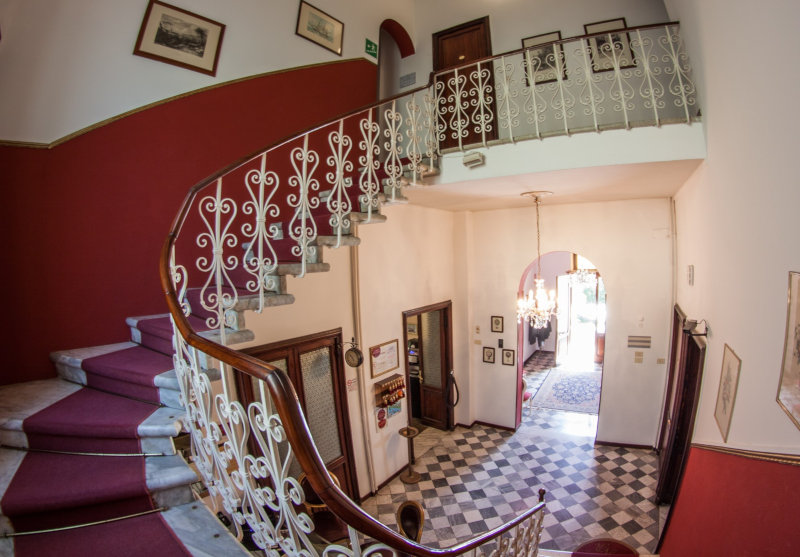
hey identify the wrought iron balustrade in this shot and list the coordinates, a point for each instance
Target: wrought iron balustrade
(283, 204)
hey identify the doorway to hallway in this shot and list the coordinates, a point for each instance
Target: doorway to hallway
(428, 342)
(563, 361)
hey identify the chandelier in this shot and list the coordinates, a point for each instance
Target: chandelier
(538, 306)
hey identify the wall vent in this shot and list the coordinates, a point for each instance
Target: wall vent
(638, 342)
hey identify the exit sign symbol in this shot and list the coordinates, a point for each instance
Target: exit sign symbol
(371, 48)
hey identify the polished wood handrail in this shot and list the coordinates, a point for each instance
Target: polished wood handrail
(780, 458)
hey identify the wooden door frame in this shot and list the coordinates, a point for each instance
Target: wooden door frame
(481, 21)
(311, 342)
(447, 307)
(691, 360)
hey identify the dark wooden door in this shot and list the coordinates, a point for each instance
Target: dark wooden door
(315, 366)
(683, 393)
(434, 357)
(456, 47)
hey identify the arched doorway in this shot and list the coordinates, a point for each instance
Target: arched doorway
(561, 364)
(394, 43)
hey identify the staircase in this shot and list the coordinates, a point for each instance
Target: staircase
(88, 460)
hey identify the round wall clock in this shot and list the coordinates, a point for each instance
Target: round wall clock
(353, 357)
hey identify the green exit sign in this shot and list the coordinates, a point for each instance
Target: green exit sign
(371, 48)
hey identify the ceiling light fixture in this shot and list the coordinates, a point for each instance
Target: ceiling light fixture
(538, 306)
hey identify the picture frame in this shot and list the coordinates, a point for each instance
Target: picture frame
(543, 58)
(175, 36)
(319, 27)
(384, 357)
(508, 357)
(726, 394)
(788, 396)
(488, 355)
(497, 323)
(604, 48)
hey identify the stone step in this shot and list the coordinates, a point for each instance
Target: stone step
(366, 218)
(22, 400)
(69, 367)
(155, 331)
(193, 526)
(168, 480)
(333, 241)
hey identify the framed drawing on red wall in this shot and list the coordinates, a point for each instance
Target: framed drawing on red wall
(175, 36)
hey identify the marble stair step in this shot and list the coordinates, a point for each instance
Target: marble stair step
(155, 331)
(188, 529)
(69, 367)
(168, 481)
(23, 400)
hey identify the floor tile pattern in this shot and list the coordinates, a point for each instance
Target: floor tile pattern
(476, 479)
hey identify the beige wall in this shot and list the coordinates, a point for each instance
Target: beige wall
(630, 243)
(406, 263)
(736, 216)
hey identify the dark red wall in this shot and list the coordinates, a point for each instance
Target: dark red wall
(84, 221)
(735, 507)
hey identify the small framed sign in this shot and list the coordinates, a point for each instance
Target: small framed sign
(497, 323)
(318, 27)
(384, 357)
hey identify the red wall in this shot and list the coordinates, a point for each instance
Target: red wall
(735, 507)
(84, 221)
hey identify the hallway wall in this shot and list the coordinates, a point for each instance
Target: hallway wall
(630, 242)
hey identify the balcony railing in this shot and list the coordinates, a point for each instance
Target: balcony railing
(223, 254)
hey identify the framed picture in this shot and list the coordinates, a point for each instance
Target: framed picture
(318, 27)
(488, 354)
(611, 45)
(789, 386)
(384, 357)
(175, 36)
(508, 357)
(544, 60)
(497, 323)
(726, 395)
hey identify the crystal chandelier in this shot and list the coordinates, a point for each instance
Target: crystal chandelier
(538, 305)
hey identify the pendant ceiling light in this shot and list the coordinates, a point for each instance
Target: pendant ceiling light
(538, 306)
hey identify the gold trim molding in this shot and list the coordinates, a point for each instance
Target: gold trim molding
(793, 460)
(112, 119)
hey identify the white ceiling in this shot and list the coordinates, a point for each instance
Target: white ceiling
(578, 185)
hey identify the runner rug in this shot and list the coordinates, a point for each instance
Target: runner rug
(570, 390)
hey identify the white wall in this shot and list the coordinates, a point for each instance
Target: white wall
(68, 65)
(736, 216)
(512, 20)
(405, 263)
(630, 243)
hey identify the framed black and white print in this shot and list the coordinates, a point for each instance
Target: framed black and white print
(175, 36)
(789, 384)
(611, 48)
(318, 27)
(488, 355)
(497, 323)
(508, 357)
(543, 61)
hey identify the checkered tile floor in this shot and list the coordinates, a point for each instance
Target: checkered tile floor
(476, 479)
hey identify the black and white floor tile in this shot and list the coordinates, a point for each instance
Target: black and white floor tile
(476, 479)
